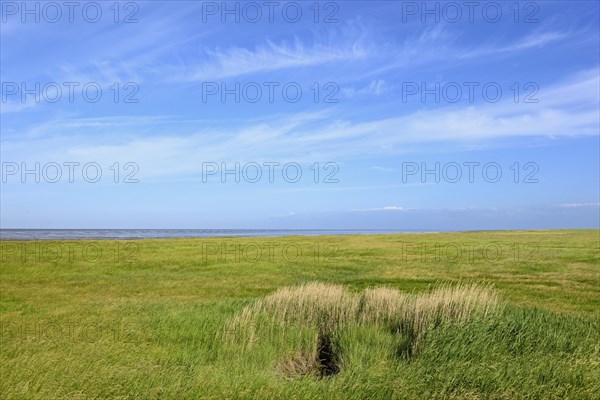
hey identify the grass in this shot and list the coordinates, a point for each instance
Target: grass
(511, 315)
(326, 312)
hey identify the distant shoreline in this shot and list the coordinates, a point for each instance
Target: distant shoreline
(143, 234)
(140, 234)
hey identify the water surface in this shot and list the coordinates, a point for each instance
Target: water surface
(70, 234)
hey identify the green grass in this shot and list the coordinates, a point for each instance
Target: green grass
(148, 322)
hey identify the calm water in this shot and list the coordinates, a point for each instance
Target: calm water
(69, 234)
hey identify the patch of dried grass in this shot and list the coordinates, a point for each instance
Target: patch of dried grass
(329, 308)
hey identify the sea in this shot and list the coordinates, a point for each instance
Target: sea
(129, 234)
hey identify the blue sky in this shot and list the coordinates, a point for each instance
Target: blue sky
(368, 72)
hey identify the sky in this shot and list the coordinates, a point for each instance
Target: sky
(300, 115)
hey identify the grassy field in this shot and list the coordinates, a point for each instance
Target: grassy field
(214, 318)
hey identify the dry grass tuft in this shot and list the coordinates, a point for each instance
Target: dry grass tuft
(447, 304)
(381, 306)
(317, 304)
(300, 364)
(329, 308)
(444, 304)
(322, 361)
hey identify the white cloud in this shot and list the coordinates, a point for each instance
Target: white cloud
(579, 205)
(386, 208)
(270, 56)
(536, 39)
(162, 147)
(440, 45)
(384, 169)
(375, 88)
(16, 106)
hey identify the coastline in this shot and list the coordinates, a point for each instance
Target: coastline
(241, 233)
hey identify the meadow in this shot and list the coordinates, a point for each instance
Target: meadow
(472, 315)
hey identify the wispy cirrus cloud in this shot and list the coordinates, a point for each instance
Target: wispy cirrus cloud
(270, 56)
(16, 106)
(162, 148)
(440, 43)
(375, 88)
(535, 39)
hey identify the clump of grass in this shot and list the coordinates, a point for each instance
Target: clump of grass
(323, 360)
(322, 305)
(300, 364)
(329, 309)
(381, 305)
(444, 304)
(330, 306)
